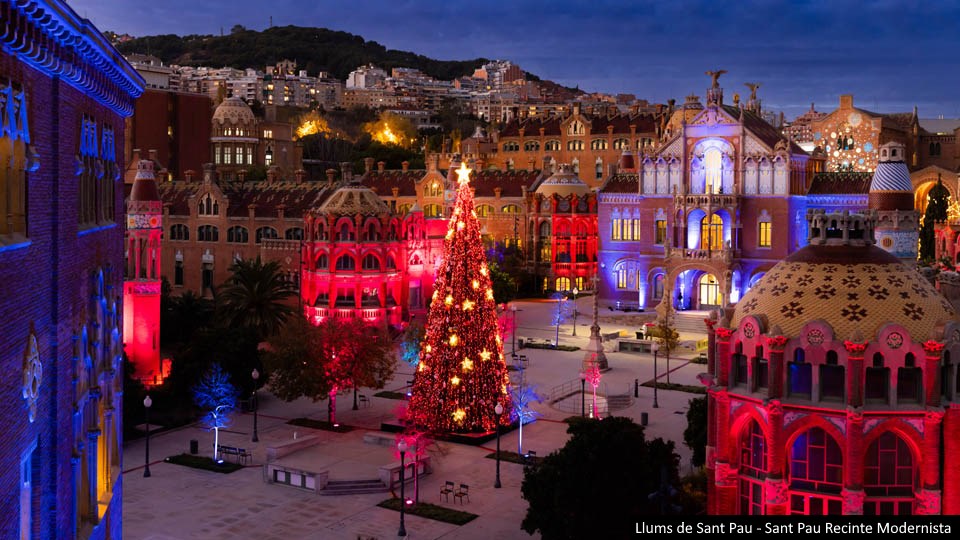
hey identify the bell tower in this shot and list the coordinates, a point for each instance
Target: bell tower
(141, 287)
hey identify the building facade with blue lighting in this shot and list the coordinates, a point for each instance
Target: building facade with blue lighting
(64, 96)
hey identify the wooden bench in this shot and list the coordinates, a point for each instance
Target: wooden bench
(241, 454)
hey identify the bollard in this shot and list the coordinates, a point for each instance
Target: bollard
(643, 419)
(636, 388)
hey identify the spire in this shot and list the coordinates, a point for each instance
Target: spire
(594, 354)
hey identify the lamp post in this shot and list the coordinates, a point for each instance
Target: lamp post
(256, 404)
(575, 293)
(147, 402)
(655, 347)
(583, 395)
(497, 411)
(513, 347)
(402, 447)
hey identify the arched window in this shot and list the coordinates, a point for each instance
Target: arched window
(552, 146)
(575, 146)
(710, 294)
(598, 169)
(816, 470)
(889, 477)
(345, 233)
(432, 211)
(320, 233)
(877, 384)
(510, 209)
(484, 210)
(403, 209)
(598, 144)
(511, 146)
(323, 262)
(832, 379)
(576, 128)
(621, 144)
(237, 235)
(391, 265)
(713, 167)
(545, 241)
(371, 262)
(711, 232)
(658, 286)
(371, 234)
(346, 262)
(208, 233)
(531, 146)
(179, 232)
(266, 232)
(293, 233)
(208, 206)
(844, 141)
(799, 376)
(752, 470)
(563, 284)
(433, 189)
(909, 381)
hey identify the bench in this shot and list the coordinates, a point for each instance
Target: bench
(241, 454)
(278, 450)
(634, 345)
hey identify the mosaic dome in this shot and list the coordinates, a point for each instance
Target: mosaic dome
(891, 188)
(564, 182)
(354, 199)
(233, 110)
(851, 288)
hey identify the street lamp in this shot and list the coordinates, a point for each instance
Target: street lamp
(575, 293)
(256, 404)
(513, 347)
(402, 447)
(655, 347)
(583, 395)
(147, 402)
(498, 410)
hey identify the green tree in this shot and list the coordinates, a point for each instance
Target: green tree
(369, 356)
(937, 203)
(504, 286)
(256, 298)
(604, 474)
(695, 436)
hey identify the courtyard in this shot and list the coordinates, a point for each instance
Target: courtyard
(178, 502)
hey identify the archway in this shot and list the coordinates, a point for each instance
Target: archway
(709, 295)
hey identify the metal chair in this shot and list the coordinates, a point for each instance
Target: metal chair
(464, 491)
(447, 490)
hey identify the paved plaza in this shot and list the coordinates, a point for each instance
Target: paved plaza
(180, 503)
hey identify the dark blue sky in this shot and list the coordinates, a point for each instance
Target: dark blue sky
(890, 54)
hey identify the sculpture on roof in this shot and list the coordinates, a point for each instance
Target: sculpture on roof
(753, 89)
(715, 75)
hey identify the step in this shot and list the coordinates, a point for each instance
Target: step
(353, 487)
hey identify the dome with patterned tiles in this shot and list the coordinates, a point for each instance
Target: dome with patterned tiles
(564, 182)
(353, 199)
(234, 110)
(891, 188)
(844, 280)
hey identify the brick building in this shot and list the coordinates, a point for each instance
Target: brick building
(65, 92)
(176, 125)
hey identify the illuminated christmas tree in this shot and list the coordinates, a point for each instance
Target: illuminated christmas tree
(461, 375)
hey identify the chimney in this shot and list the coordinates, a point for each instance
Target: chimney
(433, 162)
(331, 175)
(846, 101)
(405, 166)
(635, 109)
(576, 108)
(271, 175)
(136, 156)
(209, 173)
(300, 175)
(241, 175)
(479, 163)
(153, 155)
(189, 174)
(368, 165)
(346, 171)
(381, 165)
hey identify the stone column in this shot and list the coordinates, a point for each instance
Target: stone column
(854, 372)
(951, 467)
(776, 488)
(931, 372)
(93, 452)
(775, 346)
(723, 355)
(711, 346)
(726, 490)
(930, 460)
(853, 464)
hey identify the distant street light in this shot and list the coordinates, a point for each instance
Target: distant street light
(497, 411)
(575, 293)
(655, 347)
(402, 447)
(256, 404)
(147, 402)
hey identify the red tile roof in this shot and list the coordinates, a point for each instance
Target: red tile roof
(622, 183)
(384, 182)
(840, 183)
(761, 128)
(296, 198)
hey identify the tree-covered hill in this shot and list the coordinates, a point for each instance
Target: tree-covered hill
(313, 49)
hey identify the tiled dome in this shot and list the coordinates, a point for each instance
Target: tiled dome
(564, 182)
(235, 111)
(851, 288)
(354, 199)
(891, 188)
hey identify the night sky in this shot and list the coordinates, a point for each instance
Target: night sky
(891, 54)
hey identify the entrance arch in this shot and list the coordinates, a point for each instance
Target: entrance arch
(709, 294)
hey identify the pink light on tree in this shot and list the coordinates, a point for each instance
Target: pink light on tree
(592, 376)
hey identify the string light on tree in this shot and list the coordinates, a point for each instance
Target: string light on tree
(457, 393)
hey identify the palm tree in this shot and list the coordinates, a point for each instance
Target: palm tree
(255, 297)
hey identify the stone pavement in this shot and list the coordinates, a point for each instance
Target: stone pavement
(179, 503)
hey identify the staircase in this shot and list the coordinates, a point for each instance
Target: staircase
(617, 403)
(353, 487)
(690, 322)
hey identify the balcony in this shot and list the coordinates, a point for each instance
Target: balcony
(725, 255)
(703, 200)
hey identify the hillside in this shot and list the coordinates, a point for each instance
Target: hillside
(314, 49)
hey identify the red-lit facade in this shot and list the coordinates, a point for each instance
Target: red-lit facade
(832, 387)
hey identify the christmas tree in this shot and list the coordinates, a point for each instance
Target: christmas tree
(461, 375)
